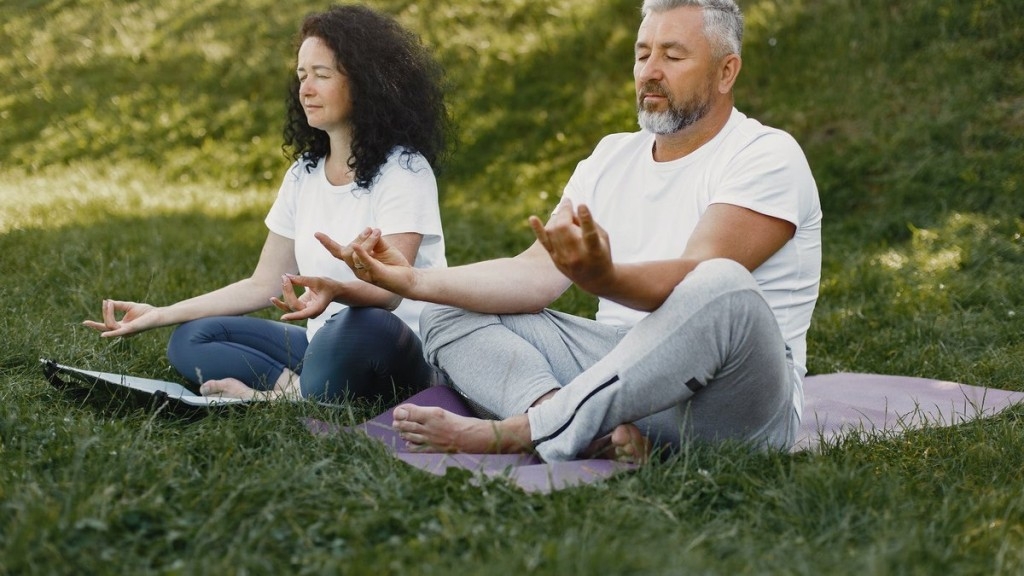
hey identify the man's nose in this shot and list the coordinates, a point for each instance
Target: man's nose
(649, 70)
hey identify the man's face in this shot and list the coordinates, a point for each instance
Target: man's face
(673, 70)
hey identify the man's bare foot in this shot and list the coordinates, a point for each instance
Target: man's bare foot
(599, 449)
(228, 388)
(630, 445)
(433, 429)
(625, 444)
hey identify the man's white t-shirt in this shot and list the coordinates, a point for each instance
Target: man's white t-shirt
(650, 209)
(402, 199)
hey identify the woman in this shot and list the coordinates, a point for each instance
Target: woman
(366, 121)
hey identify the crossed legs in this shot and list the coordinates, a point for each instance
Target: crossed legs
(359, 353)
(710, 364)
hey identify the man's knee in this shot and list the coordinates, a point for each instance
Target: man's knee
(435, 322)
(712, 278)
(713, 287)
(721, 271)
(436, 317)
(441, 325)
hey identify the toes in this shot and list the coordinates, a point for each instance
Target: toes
(630, 444)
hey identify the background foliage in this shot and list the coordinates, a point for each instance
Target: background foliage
(140, 150)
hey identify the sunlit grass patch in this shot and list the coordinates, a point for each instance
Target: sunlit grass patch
(84, 193)
(139, 153)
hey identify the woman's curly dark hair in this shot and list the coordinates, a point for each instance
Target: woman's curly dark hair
(396, 89)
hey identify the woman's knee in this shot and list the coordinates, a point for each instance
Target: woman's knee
(363, 353)
(183, 341)
(358, 319)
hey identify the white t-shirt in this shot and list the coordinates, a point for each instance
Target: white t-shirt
(403, 198)
(650, 209)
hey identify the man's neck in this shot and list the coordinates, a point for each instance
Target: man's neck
(668, 147)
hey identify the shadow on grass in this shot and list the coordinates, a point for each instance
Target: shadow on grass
(58, 278)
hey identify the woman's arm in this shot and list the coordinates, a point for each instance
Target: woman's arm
(247, 295)
(320, 291)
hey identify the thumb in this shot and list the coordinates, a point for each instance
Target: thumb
(327, 242)
(304, 281)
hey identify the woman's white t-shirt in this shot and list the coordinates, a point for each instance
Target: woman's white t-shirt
(402, 199)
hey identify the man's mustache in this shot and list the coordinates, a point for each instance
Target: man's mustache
(653, 88)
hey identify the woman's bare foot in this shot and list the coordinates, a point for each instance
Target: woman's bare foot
(433, 429)
(228, 388)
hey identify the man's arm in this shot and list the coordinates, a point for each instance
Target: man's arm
(525, 283)
(579, 248)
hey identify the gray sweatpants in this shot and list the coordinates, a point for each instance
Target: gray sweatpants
(710, 364)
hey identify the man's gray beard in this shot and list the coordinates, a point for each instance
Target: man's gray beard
(672, 120)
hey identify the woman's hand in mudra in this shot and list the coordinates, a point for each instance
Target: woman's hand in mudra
(318, 294)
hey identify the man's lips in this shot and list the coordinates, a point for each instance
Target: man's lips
(649, 99)
(652, 91)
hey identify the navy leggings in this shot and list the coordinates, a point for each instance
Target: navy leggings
(358, 353)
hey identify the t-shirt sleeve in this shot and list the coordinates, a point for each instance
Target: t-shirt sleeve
(406, 199)
(576, 186)
(281, 218)
(770, 176)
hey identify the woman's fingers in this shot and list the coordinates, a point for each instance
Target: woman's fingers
(288, 292)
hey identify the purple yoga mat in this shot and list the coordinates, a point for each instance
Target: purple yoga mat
(835, 405)
(880, 405)
(526, 470)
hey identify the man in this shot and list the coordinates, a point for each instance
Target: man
(700, 234)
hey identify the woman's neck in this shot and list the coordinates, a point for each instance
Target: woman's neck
(336, 165)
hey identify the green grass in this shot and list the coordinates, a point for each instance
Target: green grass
(139, 152)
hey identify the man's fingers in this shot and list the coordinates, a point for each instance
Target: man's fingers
(591, 233)
(361, 239)
(362, 262)
(540, 232)
(333, 247)
(304, 281)
(368, 241)
(563, 210)
(375, 243)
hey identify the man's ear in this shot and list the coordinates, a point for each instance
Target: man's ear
(729, 70)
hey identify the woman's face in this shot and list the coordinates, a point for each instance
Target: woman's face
(323, 87)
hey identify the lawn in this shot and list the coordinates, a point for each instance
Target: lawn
(140, 151)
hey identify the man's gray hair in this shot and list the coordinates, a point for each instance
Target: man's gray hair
(723, 21)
